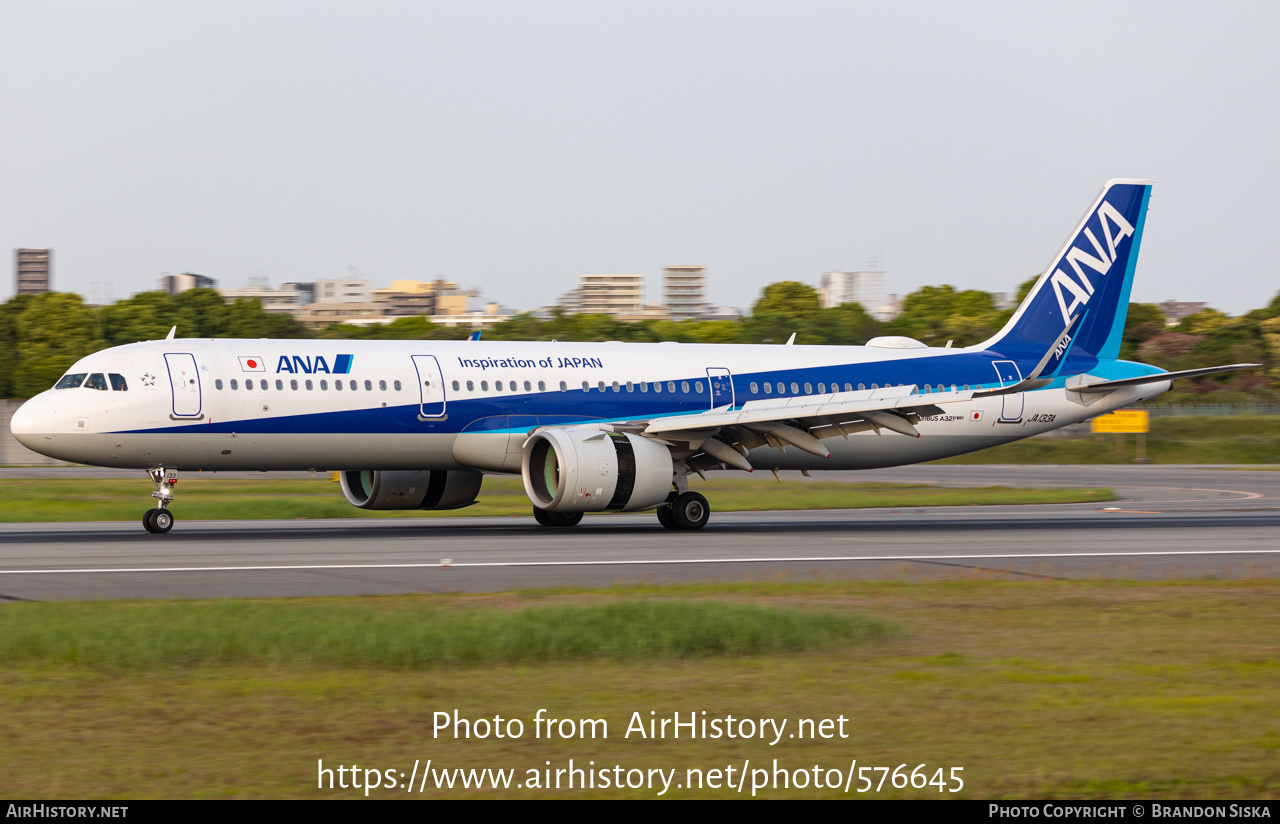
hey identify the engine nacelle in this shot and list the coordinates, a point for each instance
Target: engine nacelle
(586, 470)
(410, 489)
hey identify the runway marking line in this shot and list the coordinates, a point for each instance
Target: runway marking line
(657, 561)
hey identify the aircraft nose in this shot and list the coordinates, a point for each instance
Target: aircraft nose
(32, 424)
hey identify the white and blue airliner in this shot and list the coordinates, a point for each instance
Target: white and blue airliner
(606, 426)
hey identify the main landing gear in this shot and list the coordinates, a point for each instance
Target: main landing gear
(160, 519)
(684, 510)
(556, 519)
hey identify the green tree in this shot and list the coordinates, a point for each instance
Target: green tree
(937, 314)
(1143, 322)
(792, 299)
(55, 330)
(9, 340)
(145, 316)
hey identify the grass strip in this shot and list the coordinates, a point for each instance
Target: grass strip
(1047, 690)
(211, 498)
(186, 633)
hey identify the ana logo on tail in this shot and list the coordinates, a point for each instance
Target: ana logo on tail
(1082, 289)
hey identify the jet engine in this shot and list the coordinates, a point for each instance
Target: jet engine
(408, 489)
(585, 470)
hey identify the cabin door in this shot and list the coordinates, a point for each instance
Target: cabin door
(1008, 373)
(720, 383)
(430, 386)
(184, 379)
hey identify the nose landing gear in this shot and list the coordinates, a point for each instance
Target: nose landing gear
(160, 519)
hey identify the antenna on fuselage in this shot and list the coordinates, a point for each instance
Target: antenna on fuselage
(790, 340)
(173, 330)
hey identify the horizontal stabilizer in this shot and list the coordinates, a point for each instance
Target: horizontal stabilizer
(1159, 377)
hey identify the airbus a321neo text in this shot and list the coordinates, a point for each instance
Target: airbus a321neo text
(606, 426)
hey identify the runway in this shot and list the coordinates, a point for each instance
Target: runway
(1171, 523)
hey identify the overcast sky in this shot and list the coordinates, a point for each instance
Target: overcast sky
(514, 146)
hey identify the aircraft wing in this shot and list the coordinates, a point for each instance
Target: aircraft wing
(725, 434)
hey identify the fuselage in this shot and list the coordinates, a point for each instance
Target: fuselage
(200, 404)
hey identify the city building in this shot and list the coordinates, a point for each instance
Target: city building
(606, 295)
(414, 297)
(684, 290)
(282, 300)
(306, 291)
(343, 290)
(32, 269)
(866, 288)
(1175, 311)
(173, 284)
(319, 315)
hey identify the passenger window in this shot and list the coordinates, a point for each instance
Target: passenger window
(96, 381)
(528, 387)
(601, 384)
(471, 387)
(822, 389)
(484, 386)
(768, 389)
(118, 384)
(616, 388)
(657, 387)
(337, 385)
(684, 387)
(368, 386)
(586, 387)
(873, 386)
(308, 385)
(671, 387)
(631, 387)
(396, 384)
(263, 383)
(755, 387)
(70, 381)
(697, 387)
(293, 384)
(248, 384)
(564, 387)
(848, 387)
(234, 384)
(542, 386)
(861, 386)
(808, 389)
(217, 384)
(497, 385)
(382, 386)
(644, 387)
(279, 385)
(352, 385)
(455, 386)
(324, 385)
(795, 388)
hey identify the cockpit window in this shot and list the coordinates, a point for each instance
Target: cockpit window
(96, 381)
(70, 381)
(117, 382)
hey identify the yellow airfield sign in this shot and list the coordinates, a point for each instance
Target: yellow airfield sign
(1122, 421)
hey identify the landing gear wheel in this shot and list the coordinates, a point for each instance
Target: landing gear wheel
(146, 519)
(162, 521)
(690, 511)
(556, 519)
(665, 517)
